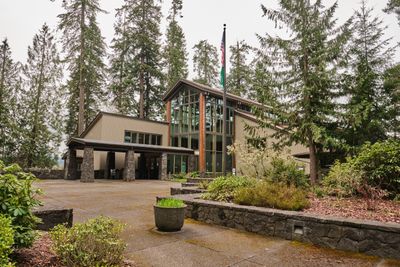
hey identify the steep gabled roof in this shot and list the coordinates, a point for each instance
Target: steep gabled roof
(207, 89)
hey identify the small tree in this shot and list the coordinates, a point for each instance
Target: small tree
(238, 81)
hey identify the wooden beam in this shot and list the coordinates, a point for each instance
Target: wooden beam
(202, 135)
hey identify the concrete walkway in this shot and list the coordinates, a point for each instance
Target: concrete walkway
(197, 244)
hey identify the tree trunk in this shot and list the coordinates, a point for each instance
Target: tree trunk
(81, 115)
(313, 162)
(141, 98)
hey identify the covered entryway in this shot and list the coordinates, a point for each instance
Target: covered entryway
(141, 161)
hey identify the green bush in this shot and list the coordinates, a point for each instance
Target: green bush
(17, 198)
(380, 165)
(6, 240)
(179, 177)
(286, 171)
(94, 243)
(194, 174)
(342, 180)
(224, 188)
(170, 203)
(272, 195)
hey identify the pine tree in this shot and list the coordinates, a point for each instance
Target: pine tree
(392, 89)
(142, 35)
(393, 6)
(305, 68)
(175, 53)
(122, 80)
(370, 55)
(85, 49)
(238, 81)
(42, 102)
(9, 91)
(206, 63)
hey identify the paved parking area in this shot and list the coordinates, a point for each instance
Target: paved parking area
(198, 244)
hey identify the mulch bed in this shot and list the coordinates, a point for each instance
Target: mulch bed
(356, 208)
(40, 255)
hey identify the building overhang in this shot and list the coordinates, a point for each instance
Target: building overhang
(101, 145)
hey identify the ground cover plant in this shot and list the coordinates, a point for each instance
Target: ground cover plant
(179, 177)
(170, 203)
(6, 240)
(224, 188)
(18, 198)
(272, 195)
(96, 242)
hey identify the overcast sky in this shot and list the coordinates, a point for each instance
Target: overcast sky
(202, 19)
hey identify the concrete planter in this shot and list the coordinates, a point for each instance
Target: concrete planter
(169, 219)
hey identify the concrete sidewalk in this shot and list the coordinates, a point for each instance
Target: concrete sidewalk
(198, 244)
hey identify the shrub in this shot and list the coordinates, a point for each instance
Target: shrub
(179, 177)
(380, 165)
(170, 203)
(286, 171)
(272, 195)
(17, 198)
(194, 174)
(224, 188)
(342, 180)
(94, 243)
(6, 240)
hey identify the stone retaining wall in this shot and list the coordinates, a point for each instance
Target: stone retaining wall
(185, 190)
(369, 237)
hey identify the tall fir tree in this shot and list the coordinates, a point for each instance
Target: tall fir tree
(305, 68)
(143, 55)
(206, 63)
(370, 55)
(85, 50)
(9, 98)
(391, 87)
(41, 102)
(121, 85)
(239, 77)
(175, 53)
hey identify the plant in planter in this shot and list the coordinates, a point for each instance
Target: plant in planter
(169, 214)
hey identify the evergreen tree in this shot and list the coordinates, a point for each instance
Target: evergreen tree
(41, 102)
(239, 77)
(370, 55)
(206, 63)
(121, 74)
(175, 53)
(141, 42)
(305, 68)
(392, 89)
(9, 91)
(393, 6)
(85, 49)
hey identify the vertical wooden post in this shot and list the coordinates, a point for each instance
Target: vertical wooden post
(168, 118)
(202, 135)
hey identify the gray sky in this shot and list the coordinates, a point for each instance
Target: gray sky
(202, 19)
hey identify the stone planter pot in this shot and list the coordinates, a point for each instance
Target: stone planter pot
(169, 219)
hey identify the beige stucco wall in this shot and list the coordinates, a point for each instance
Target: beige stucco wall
(112, 128)
(241, 134)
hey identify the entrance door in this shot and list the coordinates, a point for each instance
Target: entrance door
(149, 166)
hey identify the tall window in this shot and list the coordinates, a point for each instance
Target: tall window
(214, 126)
(185, 124)
(142, 138)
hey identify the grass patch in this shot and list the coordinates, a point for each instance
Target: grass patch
(170, 203)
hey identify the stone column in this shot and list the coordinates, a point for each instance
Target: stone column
(71, 165)
(129, 170)
(87, 168)
(192, 163)
(164, 167)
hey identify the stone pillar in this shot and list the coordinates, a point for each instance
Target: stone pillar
(192, 163)
(87, 168)
(129, 170)
(164, 167)
(71, 165)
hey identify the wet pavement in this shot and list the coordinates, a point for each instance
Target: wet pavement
(198, 244)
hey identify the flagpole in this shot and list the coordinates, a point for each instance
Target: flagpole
(224, 105)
